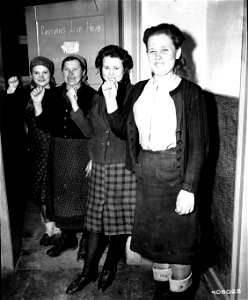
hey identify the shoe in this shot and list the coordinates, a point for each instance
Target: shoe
(162, 290)
(61, 246)
(81, 251)
(45, 240)
(80, 282)
(106, 279)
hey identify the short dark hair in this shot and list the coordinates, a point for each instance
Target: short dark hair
(177, 38)
(115, 51)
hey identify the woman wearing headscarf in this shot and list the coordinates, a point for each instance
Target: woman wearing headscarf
(69, 152)
(42, 75)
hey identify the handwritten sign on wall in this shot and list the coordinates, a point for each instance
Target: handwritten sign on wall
(83, 36)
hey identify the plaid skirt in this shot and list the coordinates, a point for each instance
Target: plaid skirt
(111, 199)
(68, 184)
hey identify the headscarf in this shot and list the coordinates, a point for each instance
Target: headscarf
(43, 61)
(82, 62)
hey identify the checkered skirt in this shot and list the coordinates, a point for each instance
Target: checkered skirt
(68, 184)
(111, 199)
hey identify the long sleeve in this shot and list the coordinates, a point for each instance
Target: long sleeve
(83, 122)
(196, 146)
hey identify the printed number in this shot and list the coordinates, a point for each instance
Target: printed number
(233, 291)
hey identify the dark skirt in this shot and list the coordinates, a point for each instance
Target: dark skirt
(111, 199)
(68, 184)
(159, 233)
(38, 149)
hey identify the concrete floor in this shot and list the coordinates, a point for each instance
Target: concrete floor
(40, 277)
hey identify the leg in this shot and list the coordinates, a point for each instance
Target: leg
(96, 244)
(116, 249)
(181, 282)
(161, 275)
(47, 238)
(67, 240)
(82, 247)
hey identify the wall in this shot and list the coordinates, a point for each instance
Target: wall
(214, 35)
(214, 29)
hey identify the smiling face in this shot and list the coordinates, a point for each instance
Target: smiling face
(112, 69)
(41, 76)
(72, 72)
(162, 54)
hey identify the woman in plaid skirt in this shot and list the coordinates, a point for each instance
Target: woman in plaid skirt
(112, 188)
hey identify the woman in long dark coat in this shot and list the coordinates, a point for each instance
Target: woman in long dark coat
(165, 126)
(42, 74)
(68, 150)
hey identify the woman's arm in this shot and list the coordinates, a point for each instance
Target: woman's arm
(197, 140)
(83, 122)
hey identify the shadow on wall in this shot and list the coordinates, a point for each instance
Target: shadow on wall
(188, 48)
(205, 193)
(208, 249)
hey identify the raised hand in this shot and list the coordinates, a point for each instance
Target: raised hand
(13, 83)
(37, 95)
(109, 89)
(72, 96)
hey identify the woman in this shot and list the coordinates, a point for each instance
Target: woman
(111, 200)
(166, 130)
(42, 75)
(69, 153)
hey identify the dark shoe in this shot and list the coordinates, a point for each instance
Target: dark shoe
(80, 282)
(189, 294)
(45, 240)
(61, 246)
(82, 249)
(162, 291)
(106, 278)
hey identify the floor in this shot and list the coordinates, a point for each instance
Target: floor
(40, 277)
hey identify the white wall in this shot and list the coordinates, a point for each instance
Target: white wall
(215, 27)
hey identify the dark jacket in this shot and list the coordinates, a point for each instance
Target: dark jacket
(104, 146)
(192, 130)
(56, 115)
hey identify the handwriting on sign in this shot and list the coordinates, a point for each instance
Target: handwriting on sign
(80, 27)
(90, 59)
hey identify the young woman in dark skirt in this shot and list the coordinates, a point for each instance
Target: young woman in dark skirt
(42, 74)
(68, 150)
(165, 126)
(112, 188)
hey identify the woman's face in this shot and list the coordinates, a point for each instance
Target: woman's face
(41, 76)
(162, 54)
(72, 72)
(112, 69)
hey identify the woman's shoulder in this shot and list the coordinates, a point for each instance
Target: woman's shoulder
(137, 88)
(88, 89)
(188, 84)
(140, 84)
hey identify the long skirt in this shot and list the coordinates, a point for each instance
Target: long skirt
(68, 183)
(111, 199)
(159, 233)
(38, 149)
